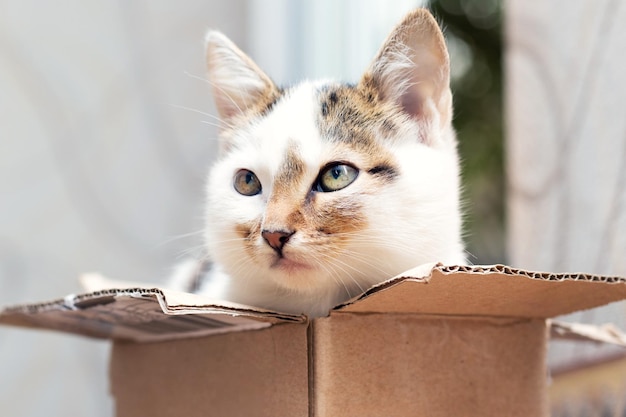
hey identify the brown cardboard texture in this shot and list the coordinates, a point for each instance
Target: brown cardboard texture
(435, 341)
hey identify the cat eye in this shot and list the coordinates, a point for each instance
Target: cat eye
(336, 177)
(246, 183)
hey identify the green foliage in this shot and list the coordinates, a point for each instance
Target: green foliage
(473, 30)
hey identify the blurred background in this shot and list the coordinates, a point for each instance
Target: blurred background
(106, 137)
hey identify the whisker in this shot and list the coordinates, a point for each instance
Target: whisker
(191, 252)
(191, 109)
(221, 90)
(220, 120)
(335, 276)
(181, 236)
(206, 122)
(197, 77)
(337, 262)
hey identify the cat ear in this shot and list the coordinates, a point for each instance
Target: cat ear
(412, 70)
(238, 84)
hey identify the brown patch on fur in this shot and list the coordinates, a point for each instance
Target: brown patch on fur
(283, 210)
(291, 171)
(243, 230)
(338, 218)
(388, 128)
(296, 218)
(266, 105)
(355, 116)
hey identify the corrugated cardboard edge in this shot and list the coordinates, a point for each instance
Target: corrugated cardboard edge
(93, 315)
(176, 302)
(543, 276)
(423, 274)
(169, 301)
(420, 273)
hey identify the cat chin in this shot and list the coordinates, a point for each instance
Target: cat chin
(296, 277)
(289, 266)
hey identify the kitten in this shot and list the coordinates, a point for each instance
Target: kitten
(323, 189)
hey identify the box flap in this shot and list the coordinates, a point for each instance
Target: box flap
(496, 290)
(147, 314)
(606, 333)
(141, 315)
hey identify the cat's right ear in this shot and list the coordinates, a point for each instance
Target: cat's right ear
(237, 82)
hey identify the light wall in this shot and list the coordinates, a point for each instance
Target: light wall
(566, 148)
(101, 167)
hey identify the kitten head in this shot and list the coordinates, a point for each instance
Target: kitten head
(323, 189)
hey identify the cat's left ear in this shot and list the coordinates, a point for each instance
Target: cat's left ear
(412, 70)
(238, 83)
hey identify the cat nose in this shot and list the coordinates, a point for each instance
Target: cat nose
(276, 239)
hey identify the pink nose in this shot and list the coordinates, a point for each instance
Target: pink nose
(276, 239)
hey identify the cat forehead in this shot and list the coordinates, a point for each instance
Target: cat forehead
(330, 113)
(291, 117)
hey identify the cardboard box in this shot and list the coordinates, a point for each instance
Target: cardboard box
(435, 341)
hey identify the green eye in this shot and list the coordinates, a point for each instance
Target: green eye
(335, 177)
(246, 183)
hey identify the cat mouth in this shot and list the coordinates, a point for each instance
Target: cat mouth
(289, 265)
